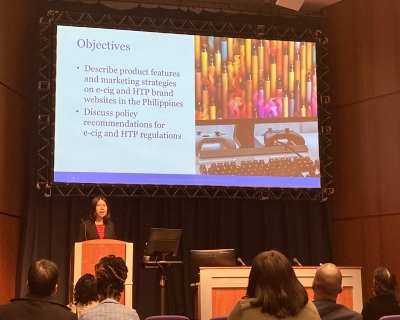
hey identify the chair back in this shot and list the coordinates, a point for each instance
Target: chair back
(391, 317)
(167, 317)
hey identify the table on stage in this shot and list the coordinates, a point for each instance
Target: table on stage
(220, 288)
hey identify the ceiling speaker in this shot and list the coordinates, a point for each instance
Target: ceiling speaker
(290, 4)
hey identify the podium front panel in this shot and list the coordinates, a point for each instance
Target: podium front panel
(221, 288)
(88, 253)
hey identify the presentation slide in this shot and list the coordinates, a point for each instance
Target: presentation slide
(134, 107)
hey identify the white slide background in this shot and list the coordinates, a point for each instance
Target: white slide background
(80, 147)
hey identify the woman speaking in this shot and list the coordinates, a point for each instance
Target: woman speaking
(99, 225)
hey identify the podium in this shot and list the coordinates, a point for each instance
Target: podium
(88, 253)
(220, 288)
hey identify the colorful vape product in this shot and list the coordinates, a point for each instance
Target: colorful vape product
(285, 69)
(224, 51)
(297, 98)
(291, 78)
(267, 88)
(291, 105)
(213, 110)
(273, 75)
(218, 62)
(309, 62)
(260, 109)
(198, 82)
(279, 97)
(218, 98)
(230, 49)
(303, 70)
(308, 88)
(249, 97)
(266, 55)
(199, 111)
(197, 48)
(260, 52)
(285, 104)
(254, 67)
(225, 92)
(206, 102)
(314, 102)
(303, 111)
(291, 51)
(279, 58)
(204, 61)
(248, 53)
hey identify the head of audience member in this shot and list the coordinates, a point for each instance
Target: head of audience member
(43, 278)
(274, 285)
(111, 273)
(85, 289)
(100, 210)
(384, 282)
(327, 282)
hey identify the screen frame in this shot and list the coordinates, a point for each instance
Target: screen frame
(286, 33)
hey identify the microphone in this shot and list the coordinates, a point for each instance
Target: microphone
(241, 262)
(297, 262)
(85, 229)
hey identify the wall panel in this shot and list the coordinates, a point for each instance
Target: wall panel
(363, 49)
(8, 256)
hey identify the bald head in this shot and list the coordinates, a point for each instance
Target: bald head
(327, 282)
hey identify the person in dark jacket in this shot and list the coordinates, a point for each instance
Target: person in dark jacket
(39, 303)
(327, 285)
(386, 297)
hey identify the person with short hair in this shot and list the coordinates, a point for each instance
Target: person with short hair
(99, 225)
(327, 285)
(39, 303)
(274, 292)
(387, 294)
(111, 273)
(85, 294)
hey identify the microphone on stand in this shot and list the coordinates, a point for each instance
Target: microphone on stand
(297, 262)
(241, 262)
(85, 229)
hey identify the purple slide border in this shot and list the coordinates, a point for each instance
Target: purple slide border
(186, 180)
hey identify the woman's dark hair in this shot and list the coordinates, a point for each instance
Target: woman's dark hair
(86, 289)
(274, 285)
(93, 209)
(111, 273)
(385, 282)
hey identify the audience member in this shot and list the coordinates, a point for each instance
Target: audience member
(386, 294)
(274, 292)
(85, 295)
(111, 273)
(327, 285)
(39, 303)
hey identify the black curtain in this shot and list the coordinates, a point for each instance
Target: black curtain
(300, 229)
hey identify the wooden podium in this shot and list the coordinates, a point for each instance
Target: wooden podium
(220, 288)
(88, 253)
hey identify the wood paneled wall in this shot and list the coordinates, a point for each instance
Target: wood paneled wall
(17, 64)
(364, 49)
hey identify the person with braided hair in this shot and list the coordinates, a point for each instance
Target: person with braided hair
(85, 294)
(111, 273)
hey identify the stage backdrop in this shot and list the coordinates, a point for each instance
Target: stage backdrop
(298, 229)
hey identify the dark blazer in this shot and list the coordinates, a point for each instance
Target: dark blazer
(88, 231)
(330, 310)
(35, 307)
(379, 306)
